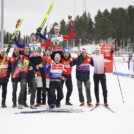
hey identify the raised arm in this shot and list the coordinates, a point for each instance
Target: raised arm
(18, 44)
(70, 36)
(72, 32)
(47, 44)
(42, 36)
(77, 59)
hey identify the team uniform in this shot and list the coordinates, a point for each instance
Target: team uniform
(67, 74)
(4, 78)
(15, 76)
(56, 41)
(55, 71)
(23, 82)
(41, 94)
(99, 75)
(83, 76)
(35, 51)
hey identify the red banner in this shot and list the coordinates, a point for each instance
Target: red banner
(106, 51)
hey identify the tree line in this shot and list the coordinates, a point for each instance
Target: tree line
(114, 26)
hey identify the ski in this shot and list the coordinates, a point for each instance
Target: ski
(51, 111)
(45, 18)
(31, 112)
(17, 28)
(107, 107)
(93, 108)
(65, 110)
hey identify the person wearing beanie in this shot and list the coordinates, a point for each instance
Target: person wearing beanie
(56, 40)
(97, 48)
(24, 82)
(55, 69)
(41, 94)
(4, 76)
(83, 76)
(68, 62)
(15, 74)
(97, 61)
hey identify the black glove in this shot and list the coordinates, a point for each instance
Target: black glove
(44, 90)
(112, 51)
(38, 31)
(9, 46)
(71, 63)
(7, 78)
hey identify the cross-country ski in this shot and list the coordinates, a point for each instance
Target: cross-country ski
(97, 106)
(59, 110)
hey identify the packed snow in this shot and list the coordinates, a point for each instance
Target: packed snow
(99, 121)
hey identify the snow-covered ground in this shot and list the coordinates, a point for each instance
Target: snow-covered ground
(99, 121)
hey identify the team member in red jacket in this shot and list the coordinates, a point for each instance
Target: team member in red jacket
(4, 76)
(55, 69)
(24, 67)
(15, 75)
(46, 60)
(68, 62)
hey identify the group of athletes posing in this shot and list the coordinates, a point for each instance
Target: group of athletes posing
(45, 67)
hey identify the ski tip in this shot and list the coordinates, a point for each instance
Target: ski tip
(53, 2)
(21, 19)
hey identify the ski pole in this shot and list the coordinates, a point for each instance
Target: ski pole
(119, 82)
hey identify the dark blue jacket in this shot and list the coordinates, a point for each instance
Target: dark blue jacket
(24, 45)
(82, 70)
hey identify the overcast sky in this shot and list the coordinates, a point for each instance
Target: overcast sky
(34, 10)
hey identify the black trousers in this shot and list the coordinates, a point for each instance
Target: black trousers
(23, 87)
(34, 61)
(22, 93)
(4, 90)
(102, 79)
(87, 89)
(55, 86)
(41, 95)
(69, 86)
(14, 92)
